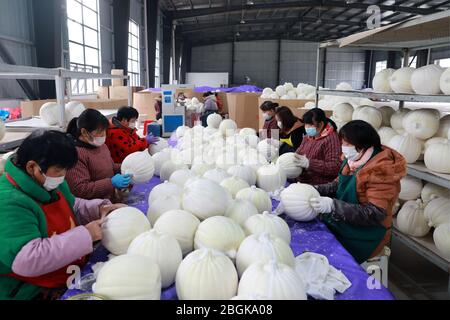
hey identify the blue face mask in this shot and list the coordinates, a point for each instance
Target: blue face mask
(312, 132)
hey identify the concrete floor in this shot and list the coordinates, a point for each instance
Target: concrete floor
(412, 277)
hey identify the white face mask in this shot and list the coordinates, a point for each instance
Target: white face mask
(99, 141)
(52, 183)
(350, 153)
(132, 125)
(266, 116)
(280, 124)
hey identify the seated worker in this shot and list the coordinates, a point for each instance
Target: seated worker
(320, 151)
(210, 107)
(270, 122)
(122, 138)
(292, 130)
(357, 207)
(95, 175)
(158, 108)
(44, 229)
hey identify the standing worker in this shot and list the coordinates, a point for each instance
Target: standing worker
(210, 107)
(357, 207)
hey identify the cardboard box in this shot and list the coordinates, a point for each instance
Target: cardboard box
(297, 107)
(103, 92)
(122, 92)
(31, 108)
(144, 102)
(243, 109)
(117, 82)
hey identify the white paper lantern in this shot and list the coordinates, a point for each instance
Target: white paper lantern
(431, 191)
(163, 190)
(280, 90)
(426, 80)
(441, 237)
(271, 178)
(400, 80)
(408, 146)
(158, 146)
(163, 249)
(214, 120)
(288, 164)
(397, 120)
(206, 275)
(181, 225)
(386, 113)
(411, 188)
(381, 80)
(180, 177)
(228, 127)
(159, 160)
(411, 219)
(267, 91)
(140, 165)
(240, 211)
(181, 131)
(263, 247)
(162, 205)
(170, 167)
(274, 280)
(445, 82)
(129, 277)
(247, 132)
(437, 212)
(73, 110)
(268, 223)
(234, 185)
(258, 197)
(422, 124)
(370, 115)
(343, 112)
(120, 228)
(216, 175)
(444, 127)
(205, 199)
(437, 157)
(50, 113)
(219, 233)
(386, 134)
(296, 201)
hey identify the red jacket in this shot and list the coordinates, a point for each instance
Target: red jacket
(270, 125)
(122, 141)
(324, 155)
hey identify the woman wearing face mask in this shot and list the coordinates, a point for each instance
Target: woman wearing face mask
(122, 138)
(320, 152)
(357, 207)
(270, 122)
(95, 175)
(292, 130)
(44, 228)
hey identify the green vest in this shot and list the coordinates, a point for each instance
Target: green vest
(359, 241)
(22, 220)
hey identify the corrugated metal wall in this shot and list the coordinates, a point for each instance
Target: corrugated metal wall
(258, 60)
(16, 34)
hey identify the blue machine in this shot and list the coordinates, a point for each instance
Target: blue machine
(173, 110)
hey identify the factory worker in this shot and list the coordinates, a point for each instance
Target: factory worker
(95, 175)
(357, 207)
(122, 138)
(44, 228)
(320, 151)
(158, 108)
(209, 108)
(292, 130)
(268, 109)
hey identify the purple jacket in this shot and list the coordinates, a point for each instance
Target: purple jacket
(45, 255)
(211, 104)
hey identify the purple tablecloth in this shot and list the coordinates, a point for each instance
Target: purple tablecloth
(313, 236)
(244, 88)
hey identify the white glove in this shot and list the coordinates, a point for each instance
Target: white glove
(322, 204)
(301, 161)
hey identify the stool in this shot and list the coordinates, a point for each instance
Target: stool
(380, 262)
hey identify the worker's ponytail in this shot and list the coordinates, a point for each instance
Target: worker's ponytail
(72, 128)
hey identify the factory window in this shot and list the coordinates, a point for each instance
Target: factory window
(413, 62)
(380, 65)
(444, 63)
(84, 44)
(134, 66)
(157, 66)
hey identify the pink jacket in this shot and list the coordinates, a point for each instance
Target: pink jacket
(42, 256)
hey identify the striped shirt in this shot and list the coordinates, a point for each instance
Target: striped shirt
(91, 176)
(324, 155)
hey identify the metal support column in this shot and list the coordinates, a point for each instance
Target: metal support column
(324, 69)
(232, 62)
(405, 63)
(166, 48)
(60, 87)
(174, 55)
(279, 62)
(121, 13)
(317, 74)
(152, 36)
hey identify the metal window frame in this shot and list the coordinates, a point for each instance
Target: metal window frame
(84, 45)
(135, 76)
